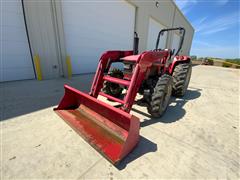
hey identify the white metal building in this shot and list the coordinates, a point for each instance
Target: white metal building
(83, 30)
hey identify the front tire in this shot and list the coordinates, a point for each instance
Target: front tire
(181, 78)
(113, 89)
(161, 94)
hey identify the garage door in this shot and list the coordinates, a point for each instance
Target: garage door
(175, 42)
(153, 30)
(92, 27)
(16, 62)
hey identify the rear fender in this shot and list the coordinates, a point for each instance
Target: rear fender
(178, 60)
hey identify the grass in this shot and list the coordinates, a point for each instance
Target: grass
(226, 64)
(210, 61)
(234, 61)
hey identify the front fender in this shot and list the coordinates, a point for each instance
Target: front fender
(178, 60)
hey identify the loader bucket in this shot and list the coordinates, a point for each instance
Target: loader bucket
(111, 131)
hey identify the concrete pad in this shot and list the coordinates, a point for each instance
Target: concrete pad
(198, 136)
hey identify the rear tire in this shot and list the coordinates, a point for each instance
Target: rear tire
(181, 78)
(160, 96)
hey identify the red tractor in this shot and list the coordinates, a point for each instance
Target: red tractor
(155, 74)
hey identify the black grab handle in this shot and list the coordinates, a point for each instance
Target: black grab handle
(135, 43)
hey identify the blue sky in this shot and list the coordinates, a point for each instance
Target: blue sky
(217, 26)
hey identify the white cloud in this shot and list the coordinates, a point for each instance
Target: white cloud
(223, 52)
(181, 4)
(222, 2)
(197, 23)
(206, 49)
(203, 49)
(212, 31)
(200, 21)
(204, 44)
(186, 5)
(205, 26)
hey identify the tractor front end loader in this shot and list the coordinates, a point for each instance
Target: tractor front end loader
(112, 130)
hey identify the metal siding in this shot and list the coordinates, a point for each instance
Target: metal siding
(168, 15)
(154, 28)
(47, 31)
(175, 42)
(16, 62)
(42, 34)
(90, 28)
(179, 20)
(146, 9)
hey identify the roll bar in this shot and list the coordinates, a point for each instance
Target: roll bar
(181, 31)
